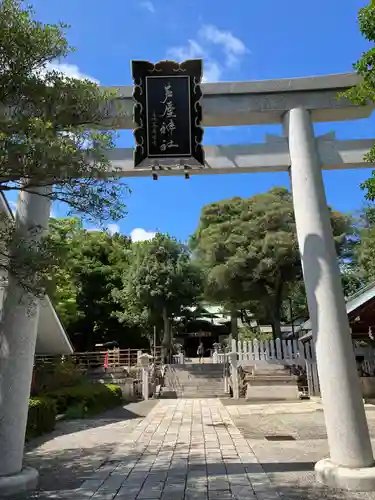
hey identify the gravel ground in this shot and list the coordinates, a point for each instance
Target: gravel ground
(290, 464)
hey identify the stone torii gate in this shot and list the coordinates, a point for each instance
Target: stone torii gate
(296, 104)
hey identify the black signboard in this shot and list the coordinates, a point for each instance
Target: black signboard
(168, 113)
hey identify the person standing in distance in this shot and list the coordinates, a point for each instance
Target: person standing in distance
(200, 352)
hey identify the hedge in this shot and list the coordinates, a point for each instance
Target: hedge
(53, 375)
(86, 399)
(77, 402)
(41, 417)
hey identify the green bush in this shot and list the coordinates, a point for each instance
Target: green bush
(52, 375)
(41, 417)
(90, 397)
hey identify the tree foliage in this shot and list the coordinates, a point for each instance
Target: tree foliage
(91, 265)
(249, 250)
(363, 262)
(106, 288)
(50, 124)
(159, 282)
(62, 286)
(364, 92)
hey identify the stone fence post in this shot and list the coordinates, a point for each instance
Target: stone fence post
(144, 359)
(226, 374)
(233, 361)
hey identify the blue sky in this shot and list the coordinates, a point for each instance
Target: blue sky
(240, 40)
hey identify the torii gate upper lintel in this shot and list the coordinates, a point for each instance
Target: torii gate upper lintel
(259, 102)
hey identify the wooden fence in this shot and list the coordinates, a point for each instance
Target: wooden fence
(111, 358)
(294, 352)
(289, 351)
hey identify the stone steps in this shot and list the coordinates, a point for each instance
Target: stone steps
(273, 382)
(194, 396)
(202, 389)
(196, 381)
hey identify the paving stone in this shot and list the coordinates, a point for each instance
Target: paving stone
(149, 495)
(196, 496)
(104, 495)
(166, 495)
(90, 486)
(216, 495)
(126, 494)
(102, 473)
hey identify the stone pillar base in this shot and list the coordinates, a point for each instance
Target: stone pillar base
(334, 476)
(25, 480)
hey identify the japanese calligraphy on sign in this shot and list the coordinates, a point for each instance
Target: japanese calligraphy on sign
(167, 113)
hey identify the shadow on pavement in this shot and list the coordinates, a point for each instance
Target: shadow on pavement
(128, 411)
(63, 472)
(287, 466)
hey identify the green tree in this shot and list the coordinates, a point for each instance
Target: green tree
(364, 92)
(250, 252)
(364, 258)
(90, 267)
(160, 281)
(50, 128)
(61, 285)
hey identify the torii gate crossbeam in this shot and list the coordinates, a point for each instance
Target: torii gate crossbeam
(271, 156)
(258, 102)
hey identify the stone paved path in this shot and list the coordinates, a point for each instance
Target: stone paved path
(183, 450)
(189, 450)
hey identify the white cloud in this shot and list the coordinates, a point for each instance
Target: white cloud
(113, 228)
(139, 234)
(148, 5)
(209, 36)
(212, 71)
(69, 70)
(191, 50)
(233, 47)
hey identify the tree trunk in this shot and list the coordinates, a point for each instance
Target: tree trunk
(166, 336)
(234, 324)
(273, 306)
(276, 324)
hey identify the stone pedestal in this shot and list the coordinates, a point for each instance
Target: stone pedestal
(16, 484)
(345, 478)
(347, 431)
(234, 365)
(18, 334)
(144, 359)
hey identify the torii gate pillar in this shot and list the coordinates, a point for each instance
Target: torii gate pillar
(351, 463)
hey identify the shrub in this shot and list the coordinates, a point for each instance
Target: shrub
(52, 375)
(41, 417)
(90, 397)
